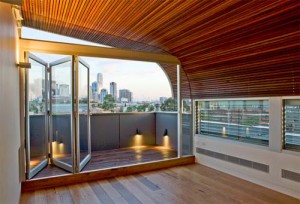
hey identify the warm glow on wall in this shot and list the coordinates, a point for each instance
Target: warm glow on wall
(166, 141)
(17, 50)
(137, 140)
(58, 149)
(34, 162)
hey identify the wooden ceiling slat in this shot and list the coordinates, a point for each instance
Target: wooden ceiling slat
(153, 17)
(239, 21)
(227, 48)
(190, 8)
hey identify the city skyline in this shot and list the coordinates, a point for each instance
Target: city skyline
(98, 91)
(146, 80)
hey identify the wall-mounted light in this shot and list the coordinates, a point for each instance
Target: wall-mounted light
(166, 132)
(137, 138)
(24, 65)
(138, 131)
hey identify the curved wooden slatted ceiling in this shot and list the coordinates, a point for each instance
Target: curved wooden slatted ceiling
(228, 48)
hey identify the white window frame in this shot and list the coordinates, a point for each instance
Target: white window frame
(233, 99)
(283, 125)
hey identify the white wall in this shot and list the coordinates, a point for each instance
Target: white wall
(9, 108)
(273, 156)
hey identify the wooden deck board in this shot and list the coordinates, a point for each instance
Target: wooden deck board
(114, 158)
(184, 184)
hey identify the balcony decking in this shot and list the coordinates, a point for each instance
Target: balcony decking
(116, 157)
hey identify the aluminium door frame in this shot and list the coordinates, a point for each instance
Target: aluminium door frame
(58, 163)
(32, 172)
(82, 164)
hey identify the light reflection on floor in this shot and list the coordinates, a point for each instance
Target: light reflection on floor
(35, 161)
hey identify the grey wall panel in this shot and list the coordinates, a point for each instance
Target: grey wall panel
(61, 129)
(104, 131)
(145, 122)
(38, 135)
(166, 121)
(169, 121)
(83, 136)
(187, 134)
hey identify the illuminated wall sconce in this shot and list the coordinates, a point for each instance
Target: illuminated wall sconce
(166, 132)
(138, 131)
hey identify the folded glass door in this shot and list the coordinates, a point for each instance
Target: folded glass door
(36, 116)
(61, 114)
(82, 118)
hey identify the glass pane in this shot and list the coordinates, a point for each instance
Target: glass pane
(61, 107)
(187, 128)
(83, 110)
(37, 113)
(244, 120)
(292, 124)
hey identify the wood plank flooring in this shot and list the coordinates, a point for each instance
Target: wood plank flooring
(116, 157)
(56, 181)
(185, 184)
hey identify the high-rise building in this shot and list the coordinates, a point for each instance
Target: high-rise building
(162, 99)
(64, 90)
(95, 91)
(113, 90)
(125, 95)
(103, 93)
(100, 81)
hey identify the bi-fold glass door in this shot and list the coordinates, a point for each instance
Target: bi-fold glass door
(36, 120)
(61, 113)
(58, 116)
(82, 119)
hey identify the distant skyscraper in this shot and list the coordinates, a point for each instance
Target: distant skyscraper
(125, 95)
(113, 90)
(95, 91)
(100, 81)
(162, 99)
(64, 90)
(103, 93)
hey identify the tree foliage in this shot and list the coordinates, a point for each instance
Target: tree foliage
(141, 108)
(131, 109)
(109, 103)
(170, 104)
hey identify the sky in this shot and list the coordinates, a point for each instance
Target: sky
(146, 80)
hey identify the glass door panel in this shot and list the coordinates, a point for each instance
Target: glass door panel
(36, 116)
(61, 110)
(84, 115)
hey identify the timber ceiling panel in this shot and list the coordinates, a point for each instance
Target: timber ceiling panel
(227, 48)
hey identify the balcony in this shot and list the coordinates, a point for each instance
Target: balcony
(117, 139)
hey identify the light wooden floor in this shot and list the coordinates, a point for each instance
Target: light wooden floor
(185, 184)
